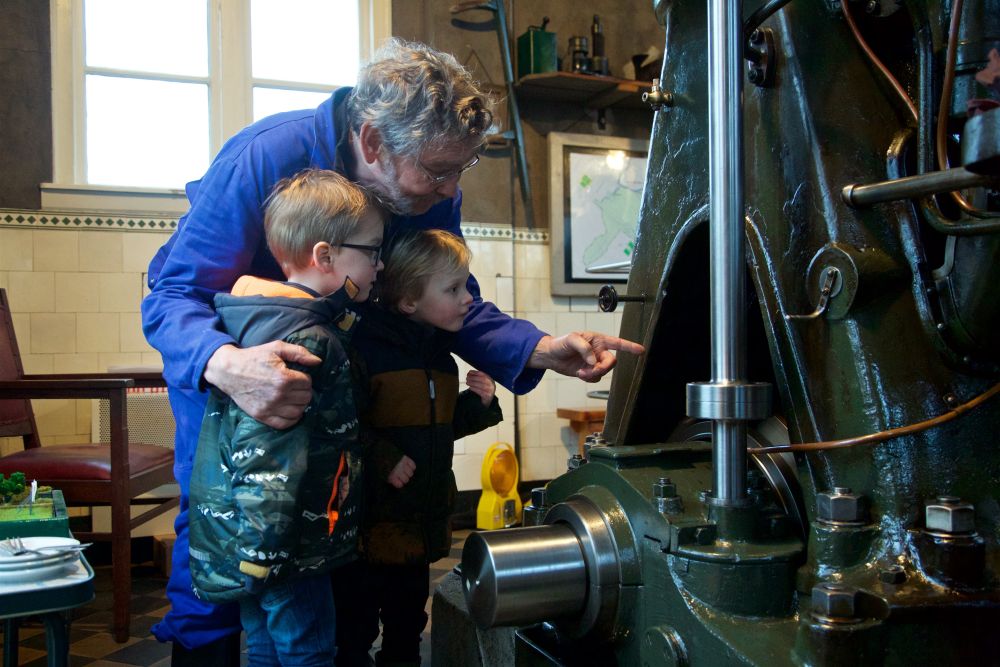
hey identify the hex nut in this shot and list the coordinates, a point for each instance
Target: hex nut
(892, 574)
(833, 600)
(950, 515)
(539, 496)
(664, 488)
(840, 506)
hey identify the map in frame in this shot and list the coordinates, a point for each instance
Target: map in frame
(596, 192)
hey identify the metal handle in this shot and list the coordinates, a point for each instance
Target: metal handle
(830, 275)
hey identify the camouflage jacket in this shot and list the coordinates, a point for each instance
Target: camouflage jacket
(269, 504)
(415, 409)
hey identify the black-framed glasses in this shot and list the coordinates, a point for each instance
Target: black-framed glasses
(375, 250)
(441, 178)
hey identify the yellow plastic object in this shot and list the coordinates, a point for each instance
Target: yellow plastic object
(499, 506)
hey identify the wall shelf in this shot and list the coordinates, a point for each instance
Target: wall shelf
(590, 90)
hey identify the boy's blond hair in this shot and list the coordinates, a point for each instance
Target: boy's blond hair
(413, 258)
(312, 206)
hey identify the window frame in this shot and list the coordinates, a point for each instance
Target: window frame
(230, 85)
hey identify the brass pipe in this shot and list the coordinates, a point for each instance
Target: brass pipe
(881, 436)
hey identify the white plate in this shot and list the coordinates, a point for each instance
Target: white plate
(56, 557)
(36, 573)
(36, 543)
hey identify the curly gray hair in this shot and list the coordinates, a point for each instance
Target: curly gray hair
(414, 95)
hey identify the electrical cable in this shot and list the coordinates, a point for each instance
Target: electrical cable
(763, 13)
(881, 436)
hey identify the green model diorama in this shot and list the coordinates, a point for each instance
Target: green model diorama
(16, 503)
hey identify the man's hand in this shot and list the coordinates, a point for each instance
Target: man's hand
(402, 472)
(482, 385)
(258, 380)
(585, 354)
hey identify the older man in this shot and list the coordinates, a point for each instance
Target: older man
(413, 124)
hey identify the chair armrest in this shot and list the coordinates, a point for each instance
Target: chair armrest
(64, 388)
(143, 380)
(112, 389)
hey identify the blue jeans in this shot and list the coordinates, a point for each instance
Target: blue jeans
(291, 624)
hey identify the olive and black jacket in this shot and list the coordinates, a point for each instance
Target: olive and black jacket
(270, 504)
(414, 409)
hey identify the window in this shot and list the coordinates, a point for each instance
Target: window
(145, 92)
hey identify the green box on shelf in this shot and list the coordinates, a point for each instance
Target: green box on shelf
(536, 52)
(47, 517)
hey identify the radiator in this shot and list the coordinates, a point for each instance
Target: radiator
(149, 418)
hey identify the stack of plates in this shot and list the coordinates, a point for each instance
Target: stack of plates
(48, 564)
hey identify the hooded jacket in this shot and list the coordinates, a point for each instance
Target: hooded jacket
(414, 409)
(269, 504)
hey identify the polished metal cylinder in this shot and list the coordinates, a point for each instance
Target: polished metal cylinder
(524, 575)
(913, 187)
(726, 234)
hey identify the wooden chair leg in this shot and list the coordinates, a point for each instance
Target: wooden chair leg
(121, 572)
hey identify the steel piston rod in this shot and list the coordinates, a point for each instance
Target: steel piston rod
(728, 274)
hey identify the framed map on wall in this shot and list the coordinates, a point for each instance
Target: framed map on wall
(595, 189)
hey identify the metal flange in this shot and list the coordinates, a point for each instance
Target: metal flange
(733, 401)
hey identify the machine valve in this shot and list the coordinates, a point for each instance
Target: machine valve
(658, 98)
(608, 298)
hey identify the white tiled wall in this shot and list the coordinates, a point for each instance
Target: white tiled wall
(515, 275)
(75, 298)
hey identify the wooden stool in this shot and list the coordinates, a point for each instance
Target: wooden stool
(583, 421)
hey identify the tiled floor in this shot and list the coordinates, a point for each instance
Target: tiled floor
(91, 643)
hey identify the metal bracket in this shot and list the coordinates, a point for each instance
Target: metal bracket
(826, 292)
(761, 55)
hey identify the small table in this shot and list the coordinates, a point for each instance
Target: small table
(50, 599)
(583, 421)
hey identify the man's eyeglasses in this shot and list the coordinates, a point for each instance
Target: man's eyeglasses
(375, 250)
(441, 178)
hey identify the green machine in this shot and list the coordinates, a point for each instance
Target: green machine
(804, 468)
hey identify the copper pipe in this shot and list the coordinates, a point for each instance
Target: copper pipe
(878, 63)
(881, 436)
(946, 89)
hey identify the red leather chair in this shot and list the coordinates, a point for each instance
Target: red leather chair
(90, 474)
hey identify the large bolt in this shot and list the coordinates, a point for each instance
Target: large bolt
(664, 488)
(950, 515)
(665, 497)
(892, 574)
(833, 601)
(840, 506)
(574, 462)
(757, 36)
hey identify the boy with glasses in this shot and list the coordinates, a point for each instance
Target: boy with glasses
(273, 511)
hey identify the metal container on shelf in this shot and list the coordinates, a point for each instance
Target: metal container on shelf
(536, 51)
